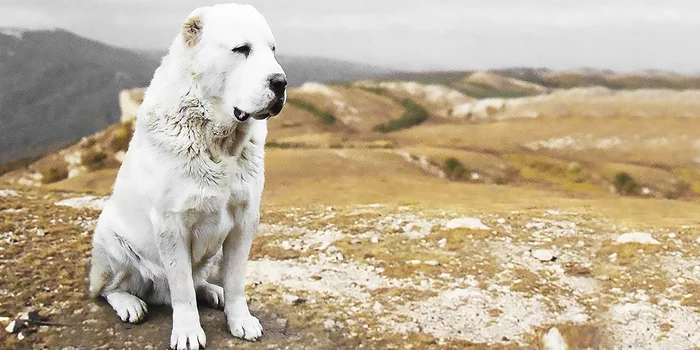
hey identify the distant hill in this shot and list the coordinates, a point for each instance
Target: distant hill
(547, 78)
(58, 87)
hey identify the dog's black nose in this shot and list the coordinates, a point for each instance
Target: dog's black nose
(278, 82)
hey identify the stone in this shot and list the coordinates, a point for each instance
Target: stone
(553, 340)
(468, 223)
(636, 237)
(293, 299)
(544, 255)
(15, 326)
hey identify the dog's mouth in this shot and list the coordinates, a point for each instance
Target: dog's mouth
(273, 110)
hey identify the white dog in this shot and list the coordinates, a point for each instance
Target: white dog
(188, 193)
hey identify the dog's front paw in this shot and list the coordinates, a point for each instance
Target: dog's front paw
(184, 338)
(212, 294)
(246, 327)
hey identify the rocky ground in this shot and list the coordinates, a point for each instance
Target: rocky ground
(381, 276)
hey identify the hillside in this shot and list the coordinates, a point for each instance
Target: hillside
(58, 87)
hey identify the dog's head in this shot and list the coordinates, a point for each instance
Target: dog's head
(232, 56)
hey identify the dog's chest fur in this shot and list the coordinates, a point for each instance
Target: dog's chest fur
(220, 167)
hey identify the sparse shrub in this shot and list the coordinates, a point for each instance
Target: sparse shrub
(509, 175)
(93, 159)
(453, 168)
(87, 142)
(326, 117)
(53, 173)
(385, 144)
(677, 189)
(413, 115)
(374, 89)
(121, 138)
(624, 184)
(284, 145)
(336, 145)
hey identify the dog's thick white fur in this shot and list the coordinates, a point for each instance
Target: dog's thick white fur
(187, 197)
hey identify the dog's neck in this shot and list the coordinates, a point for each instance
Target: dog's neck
(195, 126)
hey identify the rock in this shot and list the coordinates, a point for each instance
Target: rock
(40, 232)
(29, 316)
(544, 255)
(468, 223)
(328, 324)
(15, 326)
(8, 193)
(442, 243)
(119, 156)
(374, 240)
(636, 237)
(553, 340)
(293, 299)
(93, 202)
(417, 229)
(612, 257)
(580, 244)
(20, 336)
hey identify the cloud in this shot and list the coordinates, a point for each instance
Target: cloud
(417, 34)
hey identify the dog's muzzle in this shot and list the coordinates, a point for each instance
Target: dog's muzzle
(274, 109)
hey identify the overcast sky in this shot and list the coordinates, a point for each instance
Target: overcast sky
(413, 34)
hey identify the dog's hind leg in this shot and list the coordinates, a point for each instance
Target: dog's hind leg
(210, 293)
(100, 272)
(129, 307)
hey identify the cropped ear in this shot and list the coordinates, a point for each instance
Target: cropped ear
(192, 28)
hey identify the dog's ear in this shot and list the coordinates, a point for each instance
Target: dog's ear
(192, 28)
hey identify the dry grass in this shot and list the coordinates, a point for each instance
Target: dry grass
(666, 142)
(562, 175)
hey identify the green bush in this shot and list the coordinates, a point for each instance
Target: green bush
(275, 144)
(53, 173)
(120, 138)
(624, 184)
(453, 168)
(374, 90)
(326, 117)
(413, 115)
(93, 159)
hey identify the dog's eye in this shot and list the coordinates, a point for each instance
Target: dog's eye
(274, 48)
(242, 49)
